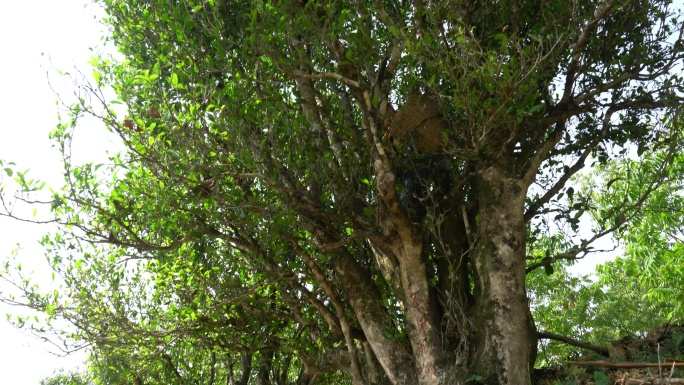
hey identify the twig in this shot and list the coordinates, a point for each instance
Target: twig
(622, 365)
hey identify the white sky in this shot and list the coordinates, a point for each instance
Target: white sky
(63, 31)
(36, 36)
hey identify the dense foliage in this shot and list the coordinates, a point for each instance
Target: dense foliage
(636, 292)
(257, 228)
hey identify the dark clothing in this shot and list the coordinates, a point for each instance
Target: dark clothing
(420, 129)
(425, 171)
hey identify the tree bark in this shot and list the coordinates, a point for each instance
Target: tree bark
(421, 313)
(503, 345)
(246, 368)
(363, 298)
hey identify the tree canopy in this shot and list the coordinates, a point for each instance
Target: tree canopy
(261, 226)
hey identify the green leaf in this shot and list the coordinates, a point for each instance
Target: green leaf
(601, 379)
(536, 108)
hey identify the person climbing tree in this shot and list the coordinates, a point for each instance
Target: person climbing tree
(418, 130)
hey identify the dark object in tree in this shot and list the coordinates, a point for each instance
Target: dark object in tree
(154, 113)
(426, 177)
(131, 126)
(418, 130)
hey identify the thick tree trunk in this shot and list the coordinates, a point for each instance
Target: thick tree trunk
(420, 310)
(432, 363)
(502, 342)
(500, 331)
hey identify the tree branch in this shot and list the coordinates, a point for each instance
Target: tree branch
(576, 167)
(578, 49)
(602, 350)
(327, 75)
(535, 163)
(533, 209)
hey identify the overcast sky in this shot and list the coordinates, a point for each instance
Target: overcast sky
(36, 37)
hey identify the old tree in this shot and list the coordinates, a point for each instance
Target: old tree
(255, 230)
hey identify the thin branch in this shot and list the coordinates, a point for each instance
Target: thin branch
(541, 154)
(550, 193)
(339, 308)
(327, 75)
(10, 215)
(571, 255)
(625, 365)
(579, 164)
(336, 245)
(616, 212)
(602, 350)
(169, 363)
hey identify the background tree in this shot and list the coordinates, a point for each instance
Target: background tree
(68, 378)
(633, 294)
(256, 212)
